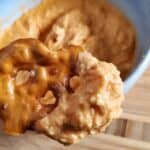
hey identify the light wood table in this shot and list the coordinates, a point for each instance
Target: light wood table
(130, 133)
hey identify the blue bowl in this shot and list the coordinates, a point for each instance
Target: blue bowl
(137, 11)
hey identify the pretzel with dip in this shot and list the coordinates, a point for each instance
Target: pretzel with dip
(67, 94)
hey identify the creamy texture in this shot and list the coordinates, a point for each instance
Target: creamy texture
(102, 32)
(93, 24)
(94, 101)
(67, 94)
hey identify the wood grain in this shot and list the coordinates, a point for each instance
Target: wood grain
(137, 103)
(33, 141)
(134, 130)
(117, 127)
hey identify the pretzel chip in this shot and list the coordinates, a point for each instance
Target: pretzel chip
(67, 94)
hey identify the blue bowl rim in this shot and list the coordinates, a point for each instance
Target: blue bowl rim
(138, 70)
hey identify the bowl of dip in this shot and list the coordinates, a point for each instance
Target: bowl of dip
(136, 11)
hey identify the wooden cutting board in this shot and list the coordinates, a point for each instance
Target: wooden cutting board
(130, 133)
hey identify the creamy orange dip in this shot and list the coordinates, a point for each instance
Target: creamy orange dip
(57, 83)
(97, 26)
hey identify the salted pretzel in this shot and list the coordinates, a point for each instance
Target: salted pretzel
(67, 94)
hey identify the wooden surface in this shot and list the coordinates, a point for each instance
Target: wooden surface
(137, 101)
(132, 134)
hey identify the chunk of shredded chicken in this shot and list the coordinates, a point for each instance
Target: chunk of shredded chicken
(94, 100)
(70, 29)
